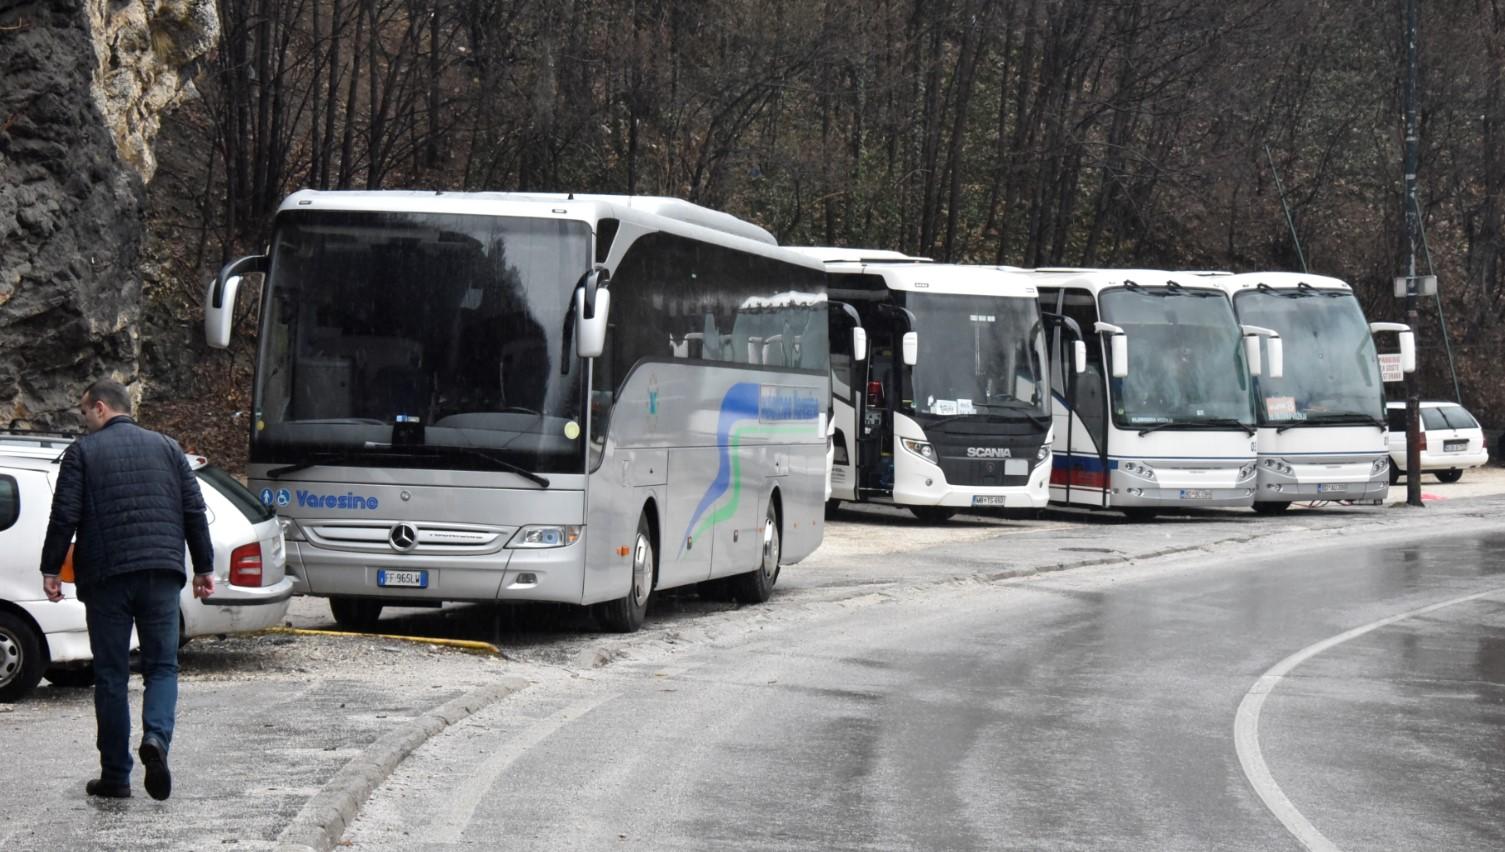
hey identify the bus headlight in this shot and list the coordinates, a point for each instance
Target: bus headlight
(1139, 469)
(1247, 470)
(921, 449)
(1379, 465)
(1043, 453)
(545, 536)
(1279, 466)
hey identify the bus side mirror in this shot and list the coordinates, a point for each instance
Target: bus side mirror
(1251, 354)
(911, 348)
(1118, 345)
(859, 344)
(219, 301)
(1407, 352)
(1079, 356)
(590, 340)
(1277, 357)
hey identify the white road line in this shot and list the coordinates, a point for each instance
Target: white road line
(1246, 724)
(449, 824)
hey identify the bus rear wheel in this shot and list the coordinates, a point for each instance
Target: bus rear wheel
(1273, 507)
(626, 614)
(355, 613)
(756, 586)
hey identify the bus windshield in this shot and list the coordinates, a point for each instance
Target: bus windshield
(1332, 373)
(979, 355)
(421, 340)
(1186, 358)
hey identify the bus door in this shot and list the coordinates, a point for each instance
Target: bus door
(887, 383)
(848, 396)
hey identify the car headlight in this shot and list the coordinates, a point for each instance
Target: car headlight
(921, 449)
(537, 537)
(290, 530)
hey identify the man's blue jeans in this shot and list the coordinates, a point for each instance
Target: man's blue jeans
(149, 600)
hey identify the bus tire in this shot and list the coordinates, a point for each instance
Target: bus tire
(1394, 472)
(1139, 514)
(355, 613)
(1273, 507)
(756, 586)
(21, 657)
(1448, 475)
(932, 514)
(626, 614)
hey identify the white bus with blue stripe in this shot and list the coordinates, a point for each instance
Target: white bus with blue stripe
(1322, 424)
(1163, 417)
(507, 397)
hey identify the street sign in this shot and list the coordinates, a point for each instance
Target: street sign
(1390, 370)
(1421, 285)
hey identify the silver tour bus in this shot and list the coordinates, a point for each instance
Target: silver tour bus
(492, 396)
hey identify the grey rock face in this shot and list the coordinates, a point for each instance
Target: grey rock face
(71, 192)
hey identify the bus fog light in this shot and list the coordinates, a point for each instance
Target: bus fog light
(1136, 492)
(537, 537)
(929, 482)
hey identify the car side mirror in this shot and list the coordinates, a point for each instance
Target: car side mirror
(911, 348)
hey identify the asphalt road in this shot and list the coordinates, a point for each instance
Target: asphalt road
(813, 685)
(1089, 709)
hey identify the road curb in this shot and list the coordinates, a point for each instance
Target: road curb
(323, 819)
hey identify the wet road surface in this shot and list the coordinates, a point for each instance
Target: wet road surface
(1090, 709)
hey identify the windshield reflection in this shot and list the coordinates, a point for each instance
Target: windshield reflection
(979, 355)
(1331, 369)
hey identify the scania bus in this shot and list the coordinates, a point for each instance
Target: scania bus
(1163, 416)
(1321, 425)
(492, 396)
(949, 406)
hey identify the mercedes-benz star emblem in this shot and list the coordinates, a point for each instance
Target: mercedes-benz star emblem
(403, 538)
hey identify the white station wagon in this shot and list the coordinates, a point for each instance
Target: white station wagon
(1451, 440)
(40, 638)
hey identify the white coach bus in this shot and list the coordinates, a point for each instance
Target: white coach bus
(1321, 425)
(948, 407)
(1163, 417)
(580, 399)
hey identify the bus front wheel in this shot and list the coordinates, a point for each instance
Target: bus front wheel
(626, 614)
(1272, 507)
(756, 586)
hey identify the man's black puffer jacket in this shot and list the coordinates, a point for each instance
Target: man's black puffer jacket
(131, 498)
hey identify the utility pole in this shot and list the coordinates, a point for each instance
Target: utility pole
(1413, 227)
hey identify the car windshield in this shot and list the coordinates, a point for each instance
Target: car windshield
(1186, 358)
(979, 355)
(1331, 369)
(253, 510)
(421, 340)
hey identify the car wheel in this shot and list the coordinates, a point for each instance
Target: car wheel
(626, 614)
(832, 507)
(756, 586)
(1449, 475)
(73, 677)
(355, 613)
(21, 657)
(932, 514)
(1394, 472)
(1273, 507)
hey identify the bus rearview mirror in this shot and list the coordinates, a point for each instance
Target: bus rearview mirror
(859, 344)
(1277, 366)
(590, 336)
(219, 319)
(911, 348)
(1407, 351)
(1118, 345)
(1251, 355)
(1079, 356)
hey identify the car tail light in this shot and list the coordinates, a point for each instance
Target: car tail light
(245, 565)
(1421, 441)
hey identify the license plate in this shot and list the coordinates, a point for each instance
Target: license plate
(406, 579)
(1016, 467)
(988, 499)
(1196, 494)
(1454, 446)
(1333, 488)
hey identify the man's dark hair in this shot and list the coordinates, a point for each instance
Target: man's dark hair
(111, 393)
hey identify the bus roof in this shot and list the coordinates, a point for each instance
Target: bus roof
(830, 254)
(953, 278)
(1098, 280)
(648, 210)
(1281, 281)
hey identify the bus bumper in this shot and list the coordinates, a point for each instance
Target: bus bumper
(1034, 494)
(552, 574)
(1360, 479)
(1183, 485)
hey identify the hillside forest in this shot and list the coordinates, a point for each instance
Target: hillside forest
(1131, 133)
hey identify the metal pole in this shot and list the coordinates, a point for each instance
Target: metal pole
(1412, 155)
(1290, 223)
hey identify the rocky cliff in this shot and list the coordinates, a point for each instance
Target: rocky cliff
(82, 86)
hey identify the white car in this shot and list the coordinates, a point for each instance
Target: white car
(1451, 440)
(40, 638)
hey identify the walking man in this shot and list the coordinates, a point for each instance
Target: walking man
(130, 498)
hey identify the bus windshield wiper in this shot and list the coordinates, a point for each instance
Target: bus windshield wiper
(494, 459)
(1334, 417)
(1208, 423)
(317, 458)
(1018, 408)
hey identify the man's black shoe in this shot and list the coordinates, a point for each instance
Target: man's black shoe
(99, 788)
(158, 776)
